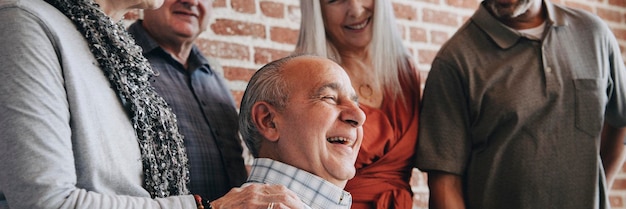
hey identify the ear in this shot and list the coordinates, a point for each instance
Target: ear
(263, 117)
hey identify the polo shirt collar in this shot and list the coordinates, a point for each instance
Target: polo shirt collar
(506, 37)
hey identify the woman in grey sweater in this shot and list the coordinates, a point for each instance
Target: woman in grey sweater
(81, 125)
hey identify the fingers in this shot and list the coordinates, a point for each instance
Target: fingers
(270, 206)
(262, 196)
(282, 197)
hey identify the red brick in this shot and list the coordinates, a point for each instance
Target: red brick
(284, 35)
(272, 9)
(464, 18)
(243, 6)
(219, 3)
(440, 17)
(264, 55)
(438, 37)
(420, 199)
(616, 201)
(609, 15)
(237, 95)
(619, 33)
(580, 6)
(239, 28)
(428, 1)
(417, 34)
(403, 11)
(619, 3)
(293, 13)
(469, 4)
(238, 73)
(619, 184)
(420, 185)
(418, 179)
(426, 56)
(223, 50)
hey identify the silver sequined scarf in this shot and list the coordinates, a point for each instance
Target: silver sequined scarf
(163, 154)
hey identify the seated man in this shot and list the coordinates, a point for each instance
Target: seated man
(301, 121)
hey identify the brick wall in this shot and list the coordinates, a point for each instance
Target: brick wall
(246, 34)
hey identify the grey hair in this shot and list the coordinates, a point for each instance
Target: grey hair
(267, 85)
(390, 58)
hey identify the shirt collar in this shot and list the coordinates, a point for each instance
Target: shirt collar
(311, 189)
(149, 45)
(505, 36)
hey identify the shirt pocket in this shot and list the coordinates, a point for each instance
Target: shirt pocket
(589, 106)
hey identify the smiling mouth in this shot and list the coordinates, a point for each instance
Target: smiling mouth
(341, 140)
(185, 13)
(359, 26)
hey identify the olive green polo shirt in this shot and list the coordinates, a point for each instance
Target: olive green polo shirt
(520, 119)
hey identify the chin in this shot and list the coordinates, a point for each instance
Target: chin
(350, 174)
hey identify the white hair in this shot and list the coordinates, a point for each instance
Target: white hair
(390, 58)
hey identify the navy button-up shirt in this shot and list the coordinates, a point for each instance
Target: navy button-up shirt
(207, 117)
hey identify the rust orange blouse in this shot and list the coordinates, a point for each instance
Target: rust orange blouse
(385, 161)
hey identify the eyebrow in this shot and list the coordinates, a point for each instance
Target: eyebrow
(335, 87)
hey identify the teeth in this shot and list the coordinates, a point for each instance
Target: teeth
(340, 140)
(359, 26)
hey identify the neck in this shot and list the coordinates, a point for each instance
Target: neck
(533, 17)
(360, 71)
(340, 184)
(354, 55)
(180, 52)
(355, 61)
(178, 47)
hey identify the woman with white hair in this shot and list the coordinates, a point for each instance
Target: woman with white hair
(361, 36)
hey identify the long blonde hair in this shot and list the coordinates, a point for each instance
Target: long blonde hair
(390, 58)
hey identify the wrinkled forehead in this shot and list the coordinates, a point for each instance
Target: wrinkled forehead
(311, 76)
(314, 70)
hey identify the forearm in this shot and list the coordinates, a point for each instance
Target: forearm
(612, 151)
(446, 191)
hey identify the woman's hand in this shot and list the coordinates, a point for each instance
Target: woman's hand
(259, 196)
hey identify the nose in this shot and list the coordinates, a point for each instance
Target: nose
(353, 115)
(355, 8)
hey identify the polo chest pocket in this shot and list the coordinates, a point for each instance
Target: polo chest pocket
(589, 103)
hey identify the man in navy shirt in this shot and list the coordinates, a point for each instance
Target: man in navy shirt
(193, 87)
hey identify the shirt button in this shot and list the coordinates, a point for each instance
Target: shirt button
(548, 70)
